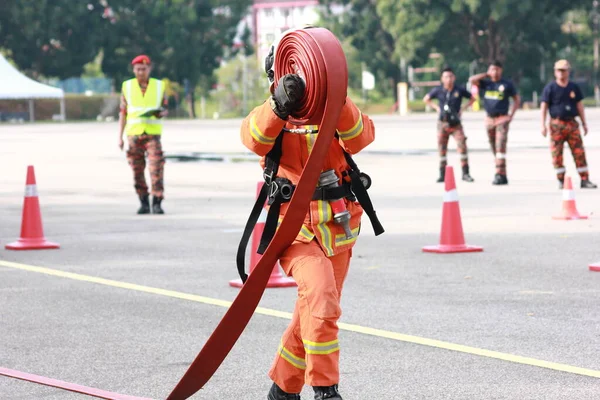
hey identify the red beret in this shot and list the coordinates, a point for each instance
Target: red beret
(141, 59)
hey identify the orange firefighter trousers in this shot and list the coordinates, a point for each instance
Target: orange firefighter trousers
(309, 349)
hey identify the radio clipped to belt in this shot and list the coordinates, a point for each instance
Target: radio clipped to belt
(277, 191)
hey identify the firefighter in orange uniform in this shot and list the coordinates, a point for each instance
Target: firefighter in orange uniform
(319, 257)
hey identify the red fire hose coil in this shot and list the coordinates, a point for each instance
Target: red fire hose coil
(317, 56)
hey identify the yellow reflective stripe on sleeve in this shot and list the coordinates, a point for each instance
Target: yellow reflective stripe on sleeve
(354, 131)
(340, 239)
(324, 217)
(321, 348)
(257, 133)
(292, 359)
(311, 138)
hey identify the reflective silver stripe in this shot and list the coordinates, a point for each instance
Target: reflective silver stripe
(305, 233)
(561, 170)
(326, 348)
(464, 157)
(144, 121)
(568, 195)
(582, 169)
(443, 158)
(501, 156)
(257, 134)
(451, 196)
(291, 358)
(158, 93)
(354, 131)
(141, 108)
(31, 191)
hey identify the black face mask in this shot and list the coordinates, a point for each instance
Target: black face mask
(269, 63)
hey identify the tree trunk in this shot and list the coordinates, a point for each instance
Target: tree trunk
(191, 104)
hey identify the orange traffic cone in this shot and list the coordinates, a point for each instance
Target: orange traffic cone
(277, 279)
(32, 233)
(569, 209)
(595, 267)
(452, 239)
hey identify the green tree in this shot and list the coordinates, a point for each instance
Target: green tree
(186, 39)
(54, 38)
(361, 26)
(521, 33)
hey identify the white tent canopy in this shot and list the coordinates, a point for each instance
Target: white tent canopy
(16, 86)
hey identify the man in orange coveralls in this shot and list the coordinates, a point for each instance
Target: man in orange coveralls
(319, 257)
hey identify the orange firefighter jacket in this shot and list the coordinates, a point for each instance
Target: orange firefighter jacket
(355, 130)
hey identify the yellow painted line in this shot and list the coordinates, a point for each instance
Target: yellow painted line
(285, 315)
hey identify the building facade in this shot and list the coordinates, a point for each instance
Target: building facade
(272, 17)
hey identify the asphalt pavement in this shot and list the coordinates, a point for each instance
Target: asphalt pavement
(519, 320)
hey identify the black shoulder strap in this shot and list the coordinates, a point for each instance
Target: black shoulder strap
(271, 167)
(272, 160)
(361, 193)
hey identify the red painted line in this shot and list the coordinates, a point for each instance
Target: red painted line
(72, 387)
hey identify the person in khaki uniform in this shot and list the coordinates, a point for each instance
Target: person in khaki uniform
(142, 101)
(564, 101)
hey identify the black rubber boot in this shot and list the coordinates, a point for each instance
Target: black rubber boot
(466, 177)
(156, 208)
(561, 183)
(442, 175)
(277, 394)
(327, 392)
(586, 184)
(145, 205)
(500, 180)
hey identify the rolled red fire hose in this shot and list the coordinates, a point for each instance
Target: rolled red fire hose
(317, 56)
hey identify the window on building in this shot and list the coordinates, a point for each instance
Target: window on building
(270, 38)
(268, 12)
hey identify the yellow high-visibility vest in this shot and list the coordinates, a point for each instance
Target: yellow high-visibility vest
(138, 104)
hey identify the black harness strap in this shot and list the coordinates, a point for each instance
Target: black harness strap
(256, 210)
(270, 224)
(361, 193)
(271, 167)
(272, 190)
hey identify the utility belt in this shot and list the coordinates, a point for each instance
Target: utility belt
(563, 119)
(278, 190)
(282, 189)
(450, 121)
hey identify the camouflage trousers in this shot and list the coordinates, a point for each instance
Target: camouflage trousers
(444, 133)
(498, 137)
(567, 131)
(139, 146)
